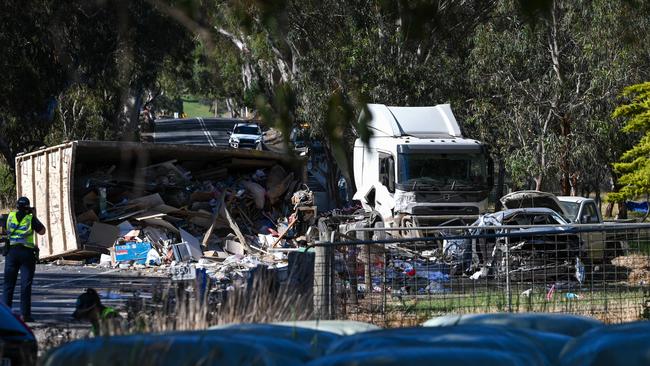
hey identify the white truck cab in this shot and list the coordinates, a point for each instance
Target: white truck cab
(417, 169)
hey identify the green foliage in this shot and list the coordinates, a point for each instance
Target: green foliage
(280, 110)
(634, 165)
(78, 117)
(338, 56)
(543, 88)
(7, 186)
(534, 79)
(82, 69)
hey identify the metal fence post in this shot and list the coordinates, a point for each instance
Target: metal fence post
(508, 289)
(331, 275)
(323, 270)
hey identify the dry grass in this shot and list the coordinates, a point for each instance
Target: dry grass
(617, 306)
(639, 266)
(182, 308)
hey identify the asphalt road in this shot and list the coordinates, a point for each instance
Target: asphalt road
(194, 131)
(56, 288)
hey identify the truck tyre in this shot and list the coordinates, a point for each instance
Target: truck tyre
(411, 233)
(378, 234)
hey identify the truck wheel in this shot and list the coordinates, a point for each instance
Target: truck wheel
(408, 223)
(378, 234)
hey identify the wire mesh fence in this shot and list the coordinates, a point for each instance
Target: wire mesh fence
(392, 277)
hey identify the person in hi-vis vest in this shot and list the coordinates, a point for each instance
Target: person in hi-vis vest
(21, 255)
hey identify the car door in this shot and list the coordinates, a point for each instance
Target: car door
(595, 241)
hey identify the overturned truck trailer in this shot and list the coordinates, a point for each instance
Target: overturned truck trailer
(57, 179)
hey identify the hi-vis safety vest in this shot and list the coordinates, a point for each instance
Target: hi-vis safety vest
(106, 314)
(20, 233)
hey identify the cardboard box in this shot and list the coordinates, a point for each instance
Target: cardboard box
(132, 251)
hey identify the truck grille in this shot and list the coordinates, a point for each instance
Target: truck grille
(445, 210)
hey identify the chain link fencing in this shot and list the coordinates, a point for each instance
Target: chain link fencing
(403, 276)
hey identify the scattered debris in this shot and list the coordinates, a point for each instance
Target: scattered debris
(67, 262)
(224, 218)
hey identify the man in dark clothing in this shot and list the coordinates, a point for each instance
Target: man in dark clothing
(22, 255)
(104, 319)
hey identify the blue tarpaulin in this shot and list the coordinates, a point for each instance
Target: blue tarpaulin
(637, 206)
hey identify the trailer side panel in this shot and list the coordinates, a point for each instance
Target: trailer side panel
(44, 178)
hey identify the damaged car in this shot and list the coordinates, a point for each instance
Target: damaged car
(537, 199)
(531, 244)
(542, 245)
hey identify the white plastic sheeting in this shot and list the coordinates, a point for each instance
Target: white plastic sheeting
(340, 327)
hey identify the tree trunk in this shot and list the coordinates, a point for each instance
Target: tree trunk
(500, 183)
(538, 182)
(574, 184)
(131, 114)
(565, 131)
(609, 209)
(332, 178)
(565, 123)
(610, 206)
(622, 211)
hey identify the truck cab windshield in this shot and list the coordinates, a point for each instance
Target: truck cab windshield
(448, 172)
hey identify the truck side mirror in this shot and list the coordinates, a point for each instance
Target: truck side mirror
(585, 219)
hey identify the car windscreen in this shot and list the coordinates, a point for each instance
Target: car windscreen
(571, 209)
(529, 218)
(247, 130)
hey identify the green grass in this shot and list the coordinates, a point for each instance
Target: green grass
(193, 108)
(614, 306)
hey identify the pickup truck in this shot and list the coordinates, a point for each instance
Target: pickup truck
(604, 244)
(601, 244)
(580, 210)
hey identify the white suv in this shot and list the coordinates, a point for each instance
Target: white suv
(246, 136)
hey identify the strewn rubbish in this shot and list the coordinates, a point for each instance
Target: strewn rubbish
(224, 218)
